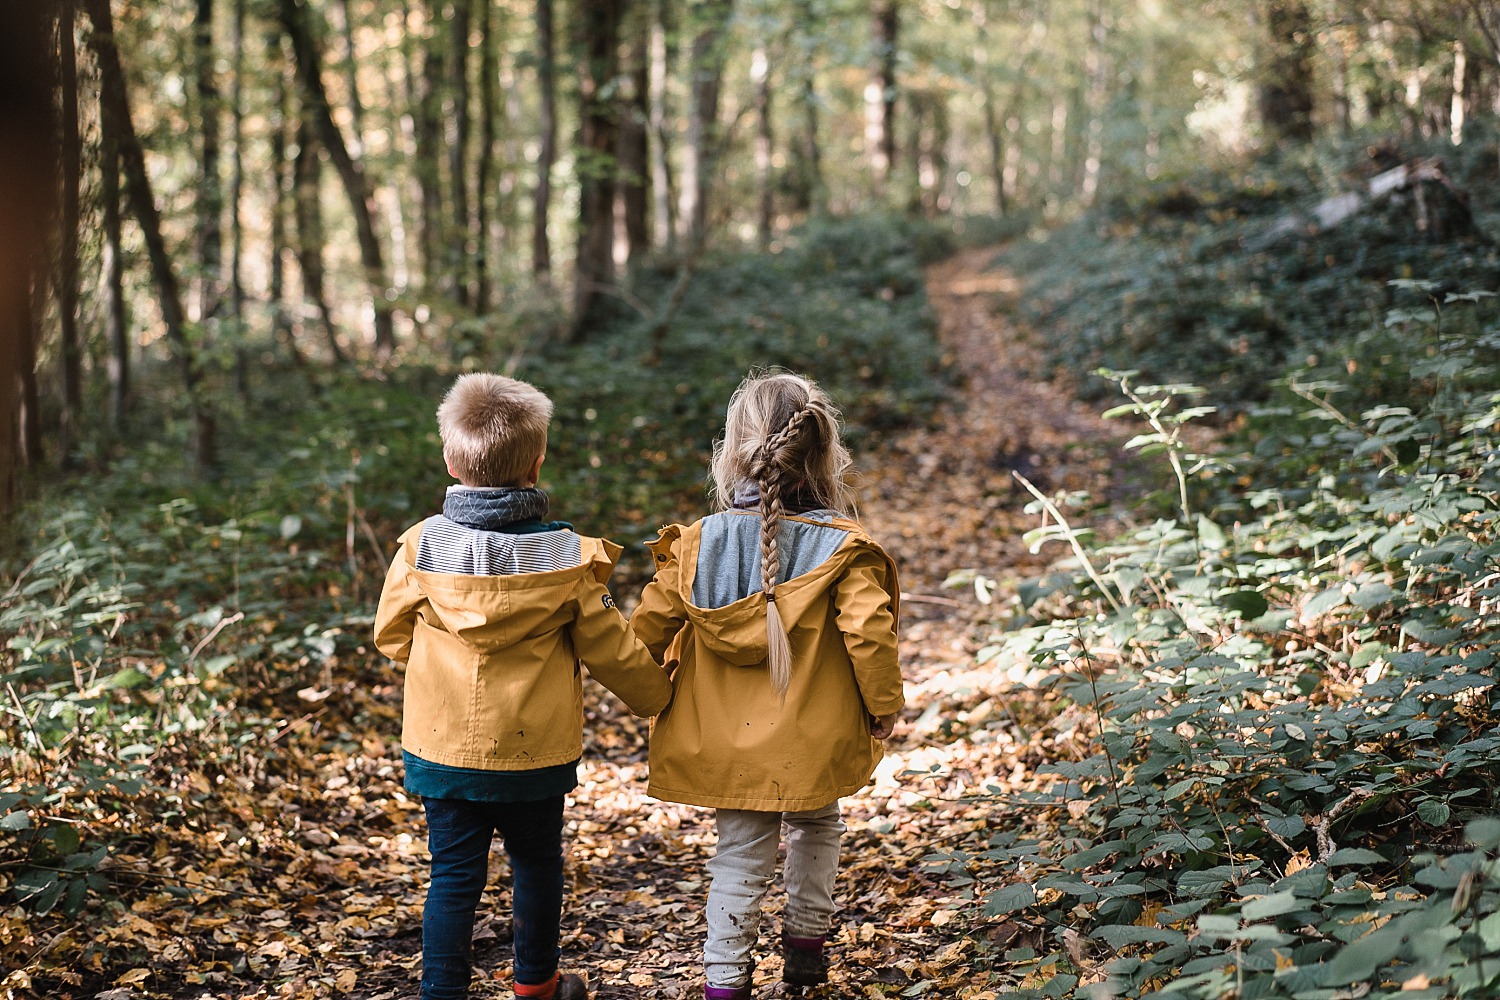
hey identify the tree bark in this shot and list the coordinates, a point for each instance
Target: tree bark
(236, 201)
(635, 112)
(760, 81)
(1096, 69)
(307, 170)
(280, 318)
(429, 140)
(541, 198)
(599, 63)
(661, 55)
(460, 224)
(112, 262)
(880, 92)
(809, 190)
(309, 72)
(706, 66)
(485, 176)
(351, 76)
(1287, 77)
(210, 186)
(70, 343)
(115, 104)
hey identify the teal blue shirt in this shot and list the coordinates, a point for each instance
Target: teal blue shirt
(441, 781)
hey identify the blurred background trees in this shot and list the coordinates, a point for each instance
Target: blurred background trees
(253, 183)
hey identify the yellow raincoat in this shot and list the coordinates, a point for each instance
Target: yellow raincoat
(725, 741)
(492, 675)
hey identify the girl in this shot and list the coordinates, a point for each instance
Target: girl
(780, 613)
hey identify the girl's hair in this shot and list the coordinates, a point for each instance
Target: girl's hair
(781, 435)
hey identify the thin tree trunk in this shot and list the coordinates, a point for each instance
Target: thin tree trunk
(661, 165)
(210, 185)
(706, 66)
(29, 414)
(993, 142)
(280, 318)
(760, 80)
(488, 110)
(309, 71)
(458, 152)
(307, 173)
(112, 262)
(599, 63)
(236, 202)
(429, 140)
(635, 200)
(115, 104)
(1096, 69)
(812, 192)
(1287, 77)
(546, 69)
(880, 92)
(351, 77)
(71, 346)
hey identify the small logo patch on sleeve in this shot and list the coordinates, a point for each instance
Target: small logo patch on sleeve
(609, 602)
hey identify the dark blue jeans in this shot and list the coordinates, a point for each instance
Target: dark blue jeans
(458, 837)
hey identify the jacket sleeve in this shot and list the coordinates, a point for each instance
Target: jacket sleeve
(866, 600)
(662, 611)
(605, 644)
(400, 600)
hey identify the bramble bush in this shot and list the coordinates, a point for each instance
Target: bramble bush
(1287, 689)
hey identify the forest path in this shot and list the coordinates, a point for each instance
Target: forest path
(942, 499)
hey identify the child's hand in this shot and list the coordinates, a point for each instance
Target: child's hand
(881, 726)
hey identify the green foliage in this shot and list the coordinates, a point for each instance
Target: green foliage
(1185, 283)
(159, 625)
(1288, 704)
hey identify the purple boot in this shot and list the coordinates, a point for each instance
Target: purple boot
(726, 992)
(803, 961)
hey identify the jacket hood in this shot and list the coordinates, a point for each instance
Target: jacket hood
(736, 632)
(493, 612)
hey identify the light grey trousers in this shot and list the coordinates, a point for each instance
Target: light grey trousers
(742, 869)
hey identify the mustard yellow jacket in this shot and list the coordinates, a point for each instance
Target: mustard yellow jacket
(492, 662)
(725, 741)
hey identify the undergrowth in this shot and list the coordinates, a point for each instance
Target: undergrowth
(1281, 690)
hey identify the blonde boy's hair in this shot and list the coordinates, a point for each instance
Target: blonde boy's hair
(493, 428)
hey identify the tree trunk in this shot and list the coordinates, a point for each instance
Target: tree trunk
(115, 104)
(281, 321)
(810, 191)
(546, 70)
(1287, 76)
(112, 262)
(236, 201)
(1096, 69)
(760, 80)
(307, 171)
(488, 110)
(599, 63)
(351, 77)
(210, 185)
(635, 112)
(880, 92)
(458, 152)
(429, 140)
(29, 413)
(28, 190)
(661, 165)
(71, 346)
(706, 66)
(309, 71)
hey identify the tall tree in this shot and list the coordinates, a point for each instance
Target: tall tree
(70, 342)
(809, 188)
(458, 149)
(880, 91)
(115, 110)
(428, 135)
(1286, 75)
(310, 74)
(635, 113)
(281, 322)
(485, 175)
(706, 73)
(661, 54)
(541, 197)
(112, 263)
(210, 230)
(307, 172)
(598, 120)
(760, 81)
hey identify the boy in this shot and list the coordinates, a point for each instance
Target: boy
(493, 608)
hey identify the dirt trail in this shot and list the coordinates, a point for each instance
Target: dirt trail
(942, 499)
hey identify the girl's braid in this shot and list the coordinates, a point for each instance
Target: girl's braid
(768, 475)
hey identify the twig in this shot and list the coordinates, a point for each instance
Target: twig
(293, 725)
(1334, 412)
(15, 588)
(223, 624)
(1326, 846)
(385, 562)
(946, 602)
(1072, 536)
